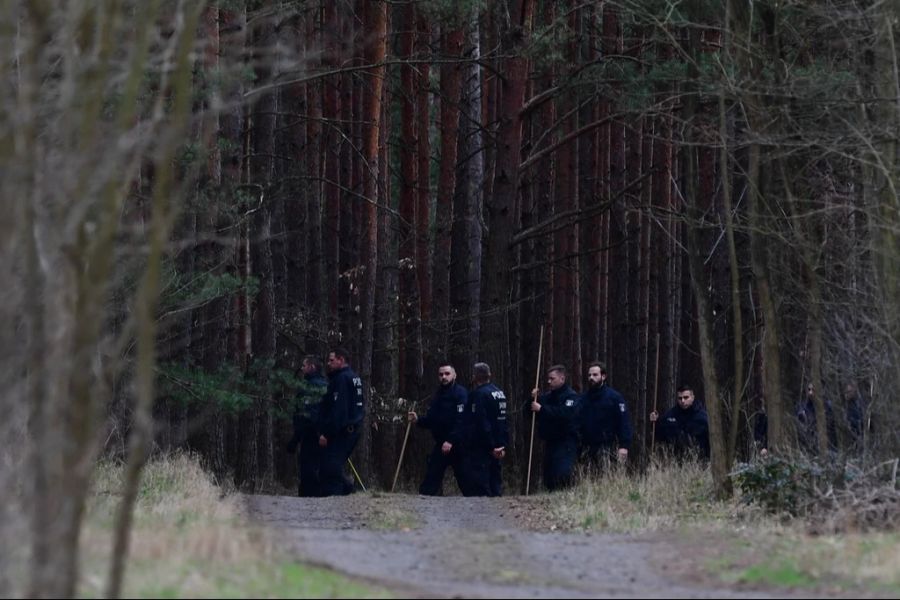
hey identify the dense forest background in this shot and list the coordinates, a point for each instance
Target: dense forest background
(198, 194)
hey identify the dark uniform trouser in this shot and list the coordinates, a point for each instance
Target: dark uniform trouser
(559, 460)
(308, 461)
(331, 470)
(437, 464)
(476, 473)
(495, 474)
(598, 457)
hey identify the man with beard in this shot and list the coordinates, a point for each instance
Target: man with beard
(603, 419)
(444, 419)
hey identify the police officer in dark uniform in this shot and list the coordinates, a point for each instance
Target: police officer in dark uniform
(340, 419)
(306, 416)
(485, 435)
(685, 426)
(557, 412)
(603, 420)
(444, 419)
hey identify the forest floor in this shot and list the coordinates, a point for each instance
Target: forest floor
(416, 546)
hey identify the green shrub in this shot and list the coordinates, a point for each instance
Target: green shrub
(779, 485)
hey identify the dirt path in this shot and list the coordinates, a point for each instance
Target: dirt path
(473, 547)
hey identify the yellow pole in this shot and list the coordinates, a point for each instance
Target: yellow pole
(537, 382)
(402, 452)
(358, 478)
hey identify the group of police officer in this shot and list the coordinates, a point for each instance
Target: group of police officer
(470, 427)
(471, 432)
(327, 421)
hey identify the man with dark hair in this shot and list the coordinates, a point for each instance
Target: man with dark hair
(306, 415)
(485, 435)
(685, 426)
(444, 419)
(557, 411)
(603, 420)
(340, 419)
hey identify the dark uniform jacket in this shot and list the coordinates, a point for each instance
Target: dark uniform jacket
(604, 418)
(342, 408)
(485, 426)
(307, 406)
(685, 429)
(557, 417)
(445, 414)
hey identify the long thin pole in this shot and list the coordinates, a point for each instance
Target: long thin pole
(358, 478)
(655, 397)
(402, 452)
(537, 382)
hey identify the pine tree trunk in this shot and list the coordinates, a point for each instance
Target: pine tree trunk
(451, 79)
(465, 255)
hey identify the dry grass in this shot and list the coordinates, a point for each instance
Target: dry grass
(189, 541)
(729, 540)
(663, 497)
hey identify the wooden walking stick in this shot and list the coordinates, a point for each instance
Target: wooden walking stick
(655, 397)
(402, 451)
(358, 478)
(537, 382)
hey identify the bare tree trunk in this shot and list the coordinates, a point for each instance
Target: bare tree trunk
(700, 288)
(630, 387)
(451, 78)
(91, 151)
(231, 27)
(410, 335)
(886, 118)
(350, 257)
(739, 28)
(315, 334)
(647, 311)
(386, 363)
(618, 255)
(376, 46)
(589, 193)
(775, 407)
(668, 288)
(91, 172)
(736, 312)
(423, 138)
(502, 208)
(145, 309)
(701, 292)
(465, 256)
(331, 142)
(46, 578)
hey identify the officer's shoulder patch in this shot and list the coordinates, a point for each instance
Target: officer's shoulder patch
(622, 406)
